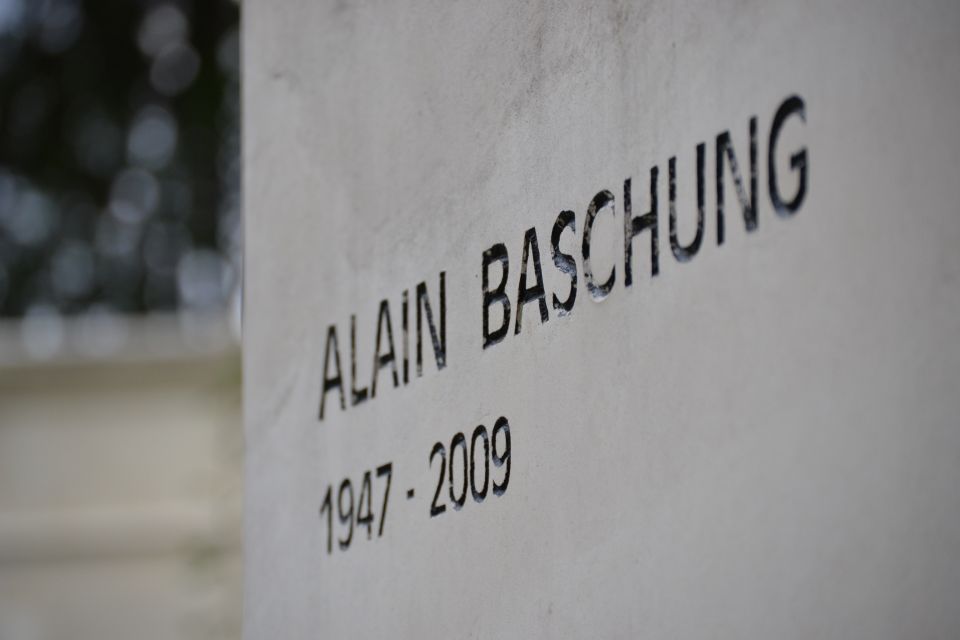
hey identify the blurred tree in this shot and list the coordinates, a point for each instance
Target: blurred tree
(119, 155)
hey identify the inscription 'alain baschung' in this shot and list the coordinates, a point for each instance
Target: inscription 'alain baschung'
(432, 330)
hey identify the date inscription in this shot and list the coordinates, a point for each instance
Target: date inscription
(478, 465)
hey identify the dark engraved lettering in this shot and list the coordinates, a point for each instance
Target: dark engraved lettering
(496, 253)
(599, 202)
(439, 342)
(365, 505)
(564, 261)
(496, 449)
(356, 395)
(479, 494)
(390, 357)
(536, 292)
(747, 203)
(501, 459)
(459, 442)
(435, 507)
(334, 381)
(798, 160)
(680, 252)
(357, 514)
(633, 226)
(405, 322)
(345, 515)
(327, 507)
(384, 470)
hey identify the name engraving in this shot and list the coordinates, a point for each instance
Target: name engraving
(431, 317)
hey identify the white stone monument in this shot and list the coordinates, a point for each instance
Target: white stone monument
(602, 319)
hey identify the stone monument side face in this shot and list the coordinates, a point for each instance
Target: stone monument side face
(602, 319)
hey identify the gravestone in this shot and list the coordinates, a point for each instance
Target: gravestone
(602, 319)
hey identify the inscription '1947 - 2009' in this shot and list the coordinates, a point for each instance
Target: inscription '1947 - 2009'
(531, 284)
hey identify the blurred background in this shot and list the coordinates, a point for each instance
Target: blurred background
(120, 271)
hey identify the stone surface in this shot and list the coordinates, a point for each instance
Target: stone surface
(760, 442)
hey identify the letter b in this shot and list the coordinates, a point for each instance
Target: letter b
(496, 253)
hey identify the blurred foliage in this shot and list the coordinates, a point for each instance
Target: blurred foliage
(119, 156)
